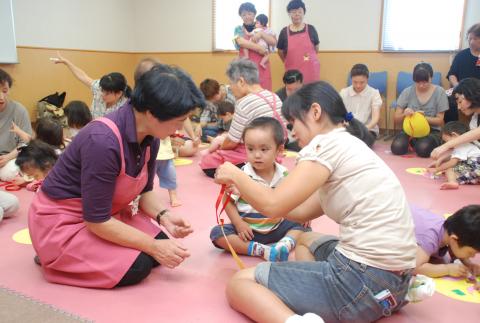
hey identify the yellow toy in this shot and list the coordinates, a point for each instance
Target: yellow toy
(416, 125)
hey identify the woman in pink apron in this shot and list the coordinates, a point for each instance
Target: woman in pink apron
(253, 101)
(242, 40)
(87, 225)
(298, 44)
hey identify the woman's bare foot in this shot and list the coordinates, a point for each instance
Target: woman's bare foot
(449, 186)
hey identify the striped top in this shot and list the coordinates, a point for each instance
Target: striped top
(253, 106)
(258, 222)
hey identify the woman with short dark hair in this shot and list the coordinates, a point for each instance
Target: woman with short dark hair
(91, 197)
(298, 44)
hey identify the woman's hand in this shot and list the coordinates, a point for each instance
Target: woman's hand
(59, 59)
(216, 143)
(168, 253)
(439, 151)
(176, 226)
(14, 128)
(225, 173)
(408, 111)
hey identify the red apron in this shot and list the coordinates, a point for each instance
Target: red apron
(302, 56)
(70, 253)
(264, 73)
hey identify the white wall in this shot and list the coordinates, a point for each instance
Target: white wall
(185, 25)
(472, 16)
(75, 24)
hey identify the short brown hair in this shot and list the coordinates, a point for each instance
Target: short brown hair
(209, 88)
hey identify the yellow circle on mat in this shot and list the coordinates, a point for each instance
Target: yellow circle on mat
(457, 288)
(289, 153)
(416, 170)
(22, 236)
(182, 161)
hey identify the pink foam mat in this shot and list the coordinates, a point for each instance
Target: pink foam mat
(195, 292)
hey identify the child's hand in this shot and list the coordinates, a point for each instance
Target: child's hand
(244, 231)
(14, 128)
(457, 270)
(432, 170)
(474, 269)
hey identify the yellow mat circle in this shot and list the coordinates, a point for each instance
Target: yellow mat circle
(417, 171)
(457, 288)
(22, 236)
(182, 161)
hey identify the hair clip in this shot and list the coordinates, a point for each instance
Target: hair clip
(348, 116)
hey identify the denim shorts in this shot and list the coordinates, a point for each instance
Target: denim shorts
(338, 289)
(167, 174)
(268, 238)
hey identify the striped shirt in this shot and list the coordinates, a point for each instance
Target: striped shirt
(99, 107)
(253, 106)
(258, 222)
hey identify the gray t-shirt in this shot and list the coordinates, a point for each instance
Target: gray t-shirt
(438, 102)
(17, 113)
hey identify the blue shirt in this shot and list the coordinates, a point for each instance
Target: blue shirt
(89, 167)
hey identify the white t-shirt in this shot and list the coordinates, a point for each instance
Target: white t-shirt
(465, 151)
(474, 125)
(362, 104)
(366, 199)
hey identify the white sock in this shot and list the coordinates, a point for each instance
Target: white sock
(306, 318)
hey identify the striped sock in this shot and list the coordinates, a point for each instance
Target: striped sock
(286, 241)
(258, 249)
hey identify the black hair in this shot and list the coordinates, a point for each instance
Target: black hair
(262, 19)
(209, 88)
(465, 224)
(359, 69)
(292, 76)
(454, 127)
(78, 114)
(5, 77)
(143, 66)
(267, 123)
(224, 107)
(167, 92)
(115, 82)
(470, 89)
(37, 154)
(422, 72)
(50, 131)
(297, 105)
(248, 7)
(296, 4)
(475, 30)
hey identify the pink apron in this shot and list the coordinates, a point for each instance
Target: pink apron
(70, 253)
(301, 55)
(264, 73)
(239, 154)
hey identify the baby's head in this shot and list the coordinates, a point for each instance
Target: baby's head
(463, 229)
(50, 131)
(36, 159)
(261, 21)
(78, 114)
(359, 75)
(211, 90)
(452, 130)
(225, 111)
(264, 139)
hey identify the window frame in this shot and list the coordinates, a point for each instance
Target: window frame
(382, 33)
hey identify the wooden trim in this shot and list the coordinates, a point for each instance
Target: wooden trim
(462, 30)
(77, 50)
(380, 30)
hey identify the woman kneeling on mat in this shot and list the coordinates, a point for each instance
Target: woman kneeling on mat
(87, 225)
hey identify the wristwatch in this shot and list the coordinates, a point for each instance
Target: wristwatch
(160, 214)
